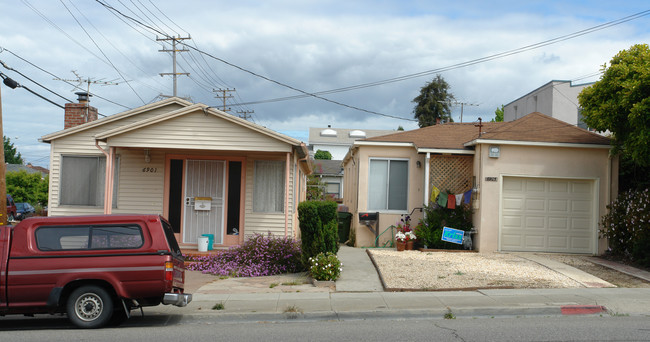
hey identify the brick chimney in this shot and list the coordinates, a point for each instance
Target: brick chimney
(79, 113)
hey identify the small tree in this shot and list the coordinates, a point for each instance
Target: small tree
(27, 187)
(433, 103)
(323, 155)
(12, 156)
(498, 115)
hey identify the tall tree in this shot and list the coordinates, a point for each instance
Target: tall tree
(433, 103)
(498, 115)
(620, 102)
(11, 155)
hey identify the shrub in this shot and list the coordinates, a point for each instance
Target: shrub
(429, 229)
(318, 228)
(325, 266)
(260, 255)
(627, 226)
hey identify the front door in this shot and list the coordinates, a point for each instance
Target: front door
(204, 200)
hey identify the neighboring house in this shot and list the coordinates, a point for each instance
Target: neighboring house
(206, 171)
(29, 168)
(337, 141)
(539, 183)
(330, 173)
(558, 99)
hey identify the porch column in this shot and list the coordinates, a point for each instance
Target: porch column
(426, 178)
(110, 178)
(286, 196)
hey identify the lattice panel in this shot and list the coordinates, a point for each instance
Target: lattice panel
(453, 173)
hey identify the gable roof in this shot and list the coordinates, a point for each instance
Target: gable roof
(537, 127)
(190, 109)
(532, 128)
(112, 118)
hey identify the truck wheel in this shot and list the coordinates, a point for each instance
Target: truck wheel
(89, 307)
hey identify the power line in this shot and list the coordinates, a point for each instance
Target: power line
(23, 75)
(251, 72)
(9, 82)
(174, 74)
(55, 76)
(102, 51)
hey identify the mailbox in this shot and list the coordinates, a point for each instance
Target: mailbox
(368, 218)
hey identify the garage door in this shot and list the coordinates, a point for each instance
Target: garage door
(547, 215)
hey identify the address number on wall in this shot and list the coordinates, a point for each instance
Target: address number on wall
(150, 169)
(490, 179)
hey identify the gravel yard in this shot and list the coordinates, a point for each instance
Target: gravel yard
(417, 270)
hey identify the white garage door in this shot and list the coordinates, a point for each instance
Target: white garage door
(547, 215)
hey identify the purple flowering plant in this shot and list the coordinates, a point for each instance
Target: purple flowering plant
(260, 255)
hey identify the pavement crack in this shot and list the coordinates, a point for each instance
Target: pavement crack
(454, 332)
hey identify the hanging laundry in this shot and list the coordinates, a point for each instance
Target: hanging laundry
(459, 199)
(442, 200)
(434, 193)
(468, 196)
(451, 202)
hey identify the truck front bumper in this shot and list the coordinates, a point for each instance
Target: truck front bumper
(177, 299)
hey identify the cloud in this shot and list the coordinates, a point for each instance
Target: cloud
(312, 46)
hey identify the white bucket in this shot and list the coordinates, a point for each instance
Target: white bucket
(203, 243)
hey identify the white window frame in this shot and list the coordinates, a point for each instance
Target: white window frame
(385, 209)
(101, 176)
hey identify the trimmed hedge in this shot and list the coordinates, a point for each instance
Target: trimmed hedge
(318, 228)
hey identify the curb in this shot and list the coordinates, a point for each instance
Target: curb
(448, 313)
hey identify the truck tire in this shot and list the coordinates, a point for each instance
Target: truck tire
(89, 307)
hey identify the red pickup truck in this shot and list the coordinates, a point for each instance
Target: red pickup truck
(94, 268)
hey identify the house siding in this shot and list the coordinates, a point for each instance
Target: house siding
(198, 131)
(263, 223)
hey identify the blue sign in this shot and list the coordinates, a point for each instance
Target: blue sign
(452, 235)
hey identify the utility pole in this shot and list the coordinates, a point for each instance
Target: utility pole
(224, 96)
(462, 104)
(244, 113)
(174, 50)
(3, 166)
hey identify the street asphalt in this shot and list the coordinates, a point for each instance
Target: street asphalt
(359, 294)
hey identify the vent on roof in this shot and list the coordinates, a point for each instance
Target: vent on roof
(328, 132)
(357, 134)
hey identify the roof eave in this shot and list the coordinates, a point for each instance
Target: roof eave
(534, 143)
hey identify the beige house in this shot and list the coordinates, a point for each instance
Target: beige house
(538, 183)
(204, 170)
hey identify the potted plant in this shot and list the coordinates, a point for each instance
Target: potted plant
(400, 241)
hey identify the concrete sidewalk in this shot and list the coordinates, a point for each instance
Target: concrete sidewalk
(359, 295)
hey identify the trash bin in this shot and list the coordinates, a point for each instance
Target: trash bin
(210, 240)
(203, 243)
(345, 219)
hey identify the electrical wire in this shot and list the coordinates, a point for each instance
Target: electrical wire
(111, 8)
(55, 76)
(102, 51)
(18, 85)
(40, 85)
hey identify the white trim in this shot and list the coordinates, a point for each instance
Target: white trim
(596, 205)
(383, 143)
(445, 151)
(427, 160)
(533, 143)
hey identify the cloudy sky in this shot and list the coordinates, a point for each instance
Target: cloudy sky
(273, 50)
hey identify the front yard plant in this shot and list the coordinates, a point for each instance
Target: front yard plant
(627, 226)
(325, 266)
(318, 228)
(260, 255)
(429, 229)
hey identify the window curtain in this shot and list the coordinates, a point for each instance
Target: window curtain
(268, 196)
(83, 180)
